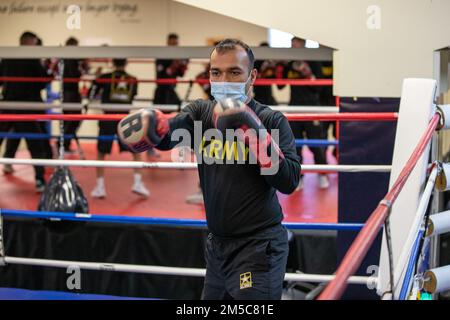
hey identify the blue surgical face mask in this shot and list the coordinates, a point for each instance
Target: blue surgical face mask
(234, 90)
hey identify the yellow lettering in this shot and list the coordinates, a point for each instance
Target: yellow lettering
(244, 149)
(229, 150)
(216, 146)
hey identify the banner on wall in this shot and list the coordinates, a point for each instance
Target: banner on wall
(125, 11)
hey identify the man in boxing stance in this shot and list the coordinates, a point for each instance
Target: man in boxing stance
(247, 247)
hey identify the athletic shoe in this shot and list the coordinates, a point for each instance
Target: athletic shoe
(99, 191)
(8, 169)
(140, 189)
(196, 198)
(323, 181)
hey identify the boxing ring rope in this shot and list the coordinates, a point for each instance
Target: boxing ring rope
(176, 165)
(14, 105)
(406, 259)
(86, 217)
(406, 285)
(358, 116)
(160, 270)
(40, 136)
(166, 81)
(357, 251)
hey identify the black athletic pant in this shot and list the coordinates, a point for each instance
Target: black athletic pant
(251, 267)
(70, 127)
(310, 130)
(12, 145)
(36, 147)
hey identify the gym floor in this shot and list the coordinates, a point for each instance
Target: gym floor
(168, 188)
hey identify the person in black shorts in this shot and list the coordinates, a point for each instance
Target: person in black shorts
(118, 92)
(247, 246)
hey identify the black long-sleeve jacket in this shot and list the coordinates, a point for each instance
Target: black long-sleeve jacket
(239, 200)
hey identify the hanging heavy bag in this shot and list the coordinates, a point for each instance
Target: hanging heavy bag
(63, 194)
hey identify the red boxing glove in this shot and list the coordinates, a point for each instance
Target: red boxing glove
(233, 114)
(143, 130)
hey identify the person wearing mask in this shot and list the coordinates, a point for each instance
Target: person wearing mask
(247, 246)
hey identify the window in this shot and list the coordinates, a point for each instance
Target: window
(281, 39)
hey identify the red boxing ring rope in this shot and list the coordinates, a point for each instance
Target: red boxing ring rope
(258, 82)
(359, 116)
(369, 232)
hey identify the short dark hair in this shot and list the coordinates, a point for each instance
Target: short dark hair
(119, 62)
(27, 35)
(297, 39)
(172, 36)
(72, 41)
(231, 44)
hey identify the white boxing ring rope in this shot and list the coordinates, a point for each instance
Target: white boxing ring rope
(136, 105)
(40, 106)
(417, 224)
(160, 270)
(176, 165)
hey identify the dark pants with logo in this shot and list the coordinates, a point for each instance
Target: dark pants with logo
(247, 268)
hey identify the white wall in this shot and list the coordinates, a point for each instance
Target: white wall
(368, 62)
(148, 24)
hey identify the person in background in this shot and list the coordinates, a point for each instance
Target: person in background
(266, 70)
(25, 91)
(327, 98)
(116, 92)
(73, 68)
(169, 69)
(12, 145)
(306, 96)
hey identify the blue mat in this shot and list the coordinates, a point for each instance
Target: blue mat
(23, 294)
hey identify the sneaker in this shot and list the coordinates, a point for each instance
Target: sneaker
(300, 185)
(8, 169)
(40, 186)
(140, 189)
(99, 191)
(196, 198)
(323, 181)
